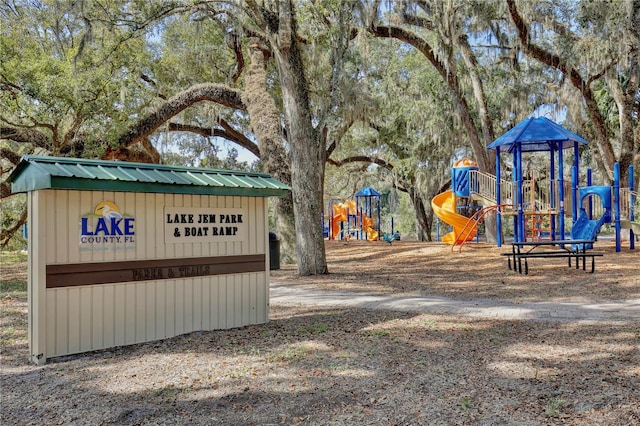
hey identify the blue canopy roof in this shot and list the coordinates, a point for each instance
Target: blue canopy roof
(537, 134)
(368, 192)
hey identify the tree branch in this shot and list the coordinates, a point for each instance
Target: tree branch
(217, 93)
(227, 133)
(26, 135)
(361, 159)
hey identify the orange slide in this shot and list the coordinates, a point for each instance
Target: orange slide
(444, 206)
(340, 212)
(367, 225)
(339, 215)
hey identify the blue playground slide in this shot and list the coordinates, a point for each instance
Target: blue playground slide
(586, 229)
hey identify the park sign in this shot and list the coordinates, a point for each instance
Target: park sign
(201, 224)
(123, 253)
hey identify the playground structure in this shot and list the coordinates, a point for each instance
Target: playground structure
(447, 205)
(358, 219)
(537, 201)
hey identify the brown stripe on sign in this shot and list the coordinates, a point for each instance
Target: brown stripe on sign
(76, 274)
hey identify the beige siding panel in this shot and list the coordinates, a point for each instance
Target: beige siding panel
(97, 317)
(151, 324)
(60, 227)
(73, 226)
(61, 314)
(214, 248)
(196, 305)
(170, 249)
(230, 300)
(238, 286)
(141, 312)
(205, 307)
(170, 312)
(160, 201)
(152, 229)
(141, 228)
(74, 319)
(161, 326)
(245, 303)
(253, 298)
(130, 314)
(85, 313)
(119, 304)
(52, 336)
(222, 303)
(86, 199)
(263, 308)
(108, 316)
(179, 308)
(214, 308)
(187, 292)
(48, 218)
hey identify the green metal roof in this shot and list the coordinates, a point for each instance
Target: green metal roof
(41, 172)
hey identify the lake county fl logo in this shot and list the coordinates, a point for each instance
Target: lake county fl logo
(107, 228)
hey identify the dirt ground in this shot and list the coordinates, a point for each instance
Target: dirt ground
(342, 366)
(477, 271)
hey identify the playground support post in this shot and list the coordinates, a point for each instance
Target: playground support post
(552, 199)
(616, 195)
(498, 199)
(519, 221)
(574, 193)
(576, 163)
(632, 201)
(590, 205)
(561, 191)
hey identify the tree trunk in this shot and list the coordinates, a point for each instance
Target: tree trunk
(491, 228)
(422, 222)
(307, 153)
(265, 121)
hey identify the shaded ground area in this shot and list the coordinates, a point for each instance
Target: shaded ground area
(477, 272)
(323, 365)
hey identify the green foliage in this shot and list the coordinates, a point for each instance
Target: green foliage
(11, 209)
(69, 71)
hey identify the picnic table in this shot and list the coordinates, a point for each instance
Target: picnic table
(569, 249)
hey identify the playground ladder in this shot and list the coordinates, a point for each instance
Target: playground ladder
(537, 223)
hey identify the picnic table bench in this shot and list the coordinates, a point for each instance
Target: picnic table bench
(569, 249)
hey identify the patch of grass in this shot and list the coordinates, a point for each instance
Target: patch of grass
(240, 372)
(465, 403)
(554, 406)
(498, 335)
(290, 354)
(429, 323)
(315, 328)
(379, 332)
(13, 289)
(7, 336)
(11, 257)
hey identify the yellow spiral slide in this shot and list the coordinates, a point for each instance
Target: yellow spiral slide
(444, 206)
